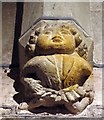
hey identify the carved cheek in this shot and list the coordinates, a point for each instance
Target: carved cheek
(43, 42)
(70, 42)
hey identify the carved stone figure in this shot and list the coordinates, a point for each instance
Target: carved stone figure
(58, 71)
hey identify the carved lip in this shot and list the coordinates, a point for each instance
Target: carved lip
(57, 39)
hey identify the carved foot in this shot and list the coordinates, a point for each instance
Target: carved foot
(23, 106)
(78, 106)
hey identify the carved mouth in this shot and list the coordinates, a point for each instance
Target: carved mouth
(57, 39)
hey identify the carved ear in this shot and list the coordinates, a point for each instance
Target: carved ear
(78, 39)
(33, 39)
(76, 35)
(30, 50)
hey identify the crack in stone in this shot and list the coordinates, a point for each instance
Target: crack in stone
(57, 70)
(50, 61)
(69, 71)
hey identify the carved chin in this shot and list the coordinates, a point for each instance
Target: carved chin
(50, 48)
(54, 50)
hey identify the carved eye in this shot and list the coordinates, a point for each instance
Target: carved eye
(37, 32)
(65, 32)
(73, 31)
(47, 32)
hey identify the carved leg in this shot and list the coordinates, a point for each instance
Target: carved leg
(72, 87)
(71, 94)
(32, 104)
(86, 93)
(78, 106)
(47, 102)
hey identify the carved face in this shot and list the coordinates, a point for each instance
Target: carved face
(53, 40)
(56, 40)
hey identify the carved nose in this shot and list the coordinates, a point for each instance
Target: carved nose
(57, 39)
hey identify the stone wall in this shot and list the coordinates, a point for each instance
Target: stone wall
(89, 15)
(8, 29)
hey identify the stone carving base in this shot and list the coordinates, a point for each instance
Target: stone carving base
(47, 97)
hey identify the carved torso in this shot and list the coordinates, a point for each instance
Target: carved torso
(59, 71)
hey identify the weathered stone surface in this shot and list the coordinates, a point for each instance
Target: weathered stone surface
(56, 54)
(5, 111)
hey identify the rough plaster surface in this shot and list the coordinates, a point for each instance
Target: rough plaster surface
(73, 9)
(10, 110)
(8, 27)
(33, 11)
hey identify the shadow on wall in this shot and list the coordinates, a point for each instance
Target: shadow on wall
(14, 67)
